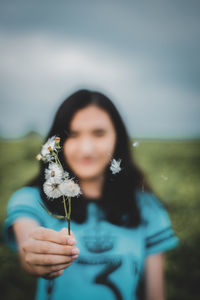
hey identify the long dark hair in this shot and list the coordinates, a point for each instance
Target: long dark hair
(119, 192)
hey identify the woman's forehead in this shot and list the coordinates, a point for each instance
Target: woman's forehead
(90, 117)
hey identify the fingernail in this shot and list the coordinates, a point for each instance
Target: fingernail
(71, 241)
(74, 257)
(75, 250)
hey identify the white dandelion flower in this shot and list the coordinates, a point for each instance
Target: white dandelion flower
(69, 188)
(45, 148)
(51, 188)
(55, 171)
(115, 166)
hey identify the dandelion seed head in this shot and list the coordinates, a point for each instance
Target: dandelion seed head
(55, 171)
(51, 188)
(49, 146)
(69, 188)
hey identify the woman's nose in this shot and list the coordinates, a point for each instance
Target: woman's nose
(86, 146)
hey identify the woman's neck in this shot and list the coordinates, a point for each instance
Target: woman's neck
(92, 188)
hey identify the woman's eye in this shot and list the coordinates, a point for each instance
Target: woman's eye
(73, 134)
(99, 133)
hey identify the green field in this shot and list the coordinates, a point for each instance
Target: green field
(172, 168)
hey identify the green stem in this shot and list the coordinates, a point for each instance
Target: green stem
(69, 202)
(55, 216)
(69, 213)
(68, 221)
(66, 214)
(57, 160)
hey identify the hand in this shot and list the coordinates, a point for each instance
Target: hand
(46, 252)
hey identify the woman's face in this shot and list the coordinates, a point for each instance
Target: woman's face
(91, 143)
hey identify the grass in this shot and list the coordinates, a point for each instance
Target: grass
(172, 169)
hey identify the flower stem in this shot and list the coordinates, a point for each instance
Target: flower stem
(66, 214)
(69, 214)
(57, 160)
(69, 202)
(68, 220)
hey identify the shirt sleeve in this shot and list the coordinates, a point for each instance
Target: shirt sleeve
(159, 234)
(23, 203)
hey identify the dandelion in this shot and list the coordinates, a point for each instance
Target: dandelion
(69, 188)
(51, 188)
(57, 184)
(48, 147)
(115, 166)
(55, 171)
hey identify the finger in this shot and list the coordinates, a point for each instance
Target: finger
(71, 237)
(56, 268)
(44, 271)
(53, 275)
(47, 259)
(44, 247)
(47, 234)
(65, 230)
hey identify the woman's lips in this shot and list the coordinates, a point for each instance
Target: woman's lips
(87, 161)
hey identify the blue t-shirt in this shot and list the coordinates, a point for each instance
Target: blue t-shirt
(111, 259)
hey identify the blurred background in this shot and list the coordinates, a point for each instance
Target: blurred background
(145, 55)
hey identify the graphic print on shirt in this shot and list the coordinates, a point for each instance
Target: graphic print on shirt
(97, 241)
(99, 245)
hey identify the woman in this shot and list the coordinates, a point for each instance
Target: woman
(119, 227)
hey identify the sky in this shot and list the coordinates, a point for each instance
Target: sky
(144, 55)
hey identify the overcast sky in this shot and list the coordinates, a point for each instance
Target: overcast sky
(145, 55)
